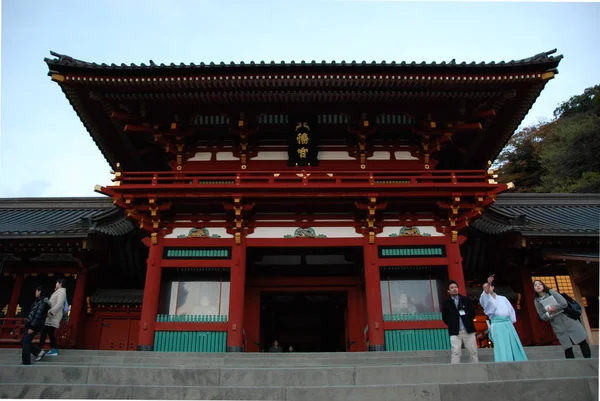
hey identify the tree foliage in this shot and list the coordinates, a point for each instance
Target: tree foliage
(562, 155)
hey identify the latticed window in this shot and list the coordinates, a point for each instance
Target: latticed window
(559, 283)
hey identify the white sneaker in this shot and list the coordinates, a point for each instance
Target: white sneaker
(40, 355)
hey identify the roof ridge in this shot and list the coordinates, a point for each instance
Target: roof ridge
(74, 203)
(66, 60)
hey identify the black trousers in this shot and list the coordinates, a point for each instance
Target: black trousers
(585, 350)
(28, 347)
(48, 331)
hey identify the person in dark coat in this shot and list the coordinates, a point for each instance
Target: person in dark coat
(458, 314)
(568, 331)
(34, 323)
(275, 347)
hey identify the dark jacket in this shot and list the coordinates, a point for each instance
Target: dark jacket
(450, 315)
(37, 317)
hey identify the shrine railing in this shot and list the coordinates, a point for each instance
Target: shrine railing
(11, 331)
(11, 328)
(318, 179)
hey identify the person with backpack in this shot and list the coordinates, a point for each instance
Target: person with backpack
(34, 323)
(507, 345)
(568, 330)
(58, 306)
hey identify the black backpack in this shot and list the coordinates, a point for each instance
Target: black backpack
(573, 309)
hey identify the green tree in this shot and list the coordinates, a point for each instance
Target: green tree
(570, 155)
(588, 101)
(520, 162)
(557, 156)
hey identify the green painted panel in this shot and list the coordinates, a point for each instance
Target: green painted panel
(197, 253)
(192, 318)
(190, 341)
(408, 317)
(409, 252)
(417, 340)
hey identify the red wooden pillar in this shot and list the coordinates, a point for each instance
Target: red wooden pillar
(252, 319)
(373, 293)
(16, 293)
(455, 268)
(529, 300)
(151, 296)
(77, 307)
(235, 326)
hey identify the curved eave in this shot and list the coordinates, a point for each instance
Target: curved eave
(97, 127)
(507, 130)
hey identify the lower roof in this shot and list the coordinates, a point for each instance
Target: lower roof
(543, 215)
(528, 214)
(117, 296)
(60, 218)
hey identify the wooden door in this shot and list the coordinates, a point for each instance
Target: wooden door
(114, 334)
(134, 330)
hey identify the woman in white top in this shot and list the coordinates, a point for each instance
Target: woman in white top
(507, 345)
(55, 315)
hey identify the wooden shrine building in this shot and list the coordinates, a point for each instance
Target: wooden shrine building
(549, 237)
(320, 204)
(87, 241)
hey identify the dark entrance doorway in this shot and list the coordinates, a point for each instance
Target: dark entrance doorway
(309, 321)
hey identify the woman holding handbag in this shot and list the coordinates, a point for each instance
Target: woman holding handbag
(55, 315)
(568, 331)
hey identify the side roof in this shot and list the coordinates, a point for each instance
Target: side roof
(542, 215)
(60, 218)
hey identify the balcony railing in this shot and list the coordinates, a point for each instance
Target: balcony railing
(316, 179)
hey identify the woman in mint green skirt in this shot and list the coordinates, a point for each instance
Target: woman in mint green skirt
(507, 345)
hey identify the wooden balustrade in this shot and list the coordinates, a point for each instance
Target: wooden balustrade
(11, 331)
(317, 179)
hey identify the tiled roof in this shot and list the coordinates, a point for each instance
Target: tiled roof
(97, 90)
(60, 218)
(543, 215)
(123, 297)
(62, 60)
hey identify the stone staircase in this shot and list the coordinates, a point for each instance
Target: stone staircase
(419, 375)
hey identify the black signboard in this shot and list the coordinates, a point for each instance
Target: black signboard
(303, 146)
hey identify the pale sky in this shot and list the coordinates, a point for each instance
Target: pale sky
(46, 151)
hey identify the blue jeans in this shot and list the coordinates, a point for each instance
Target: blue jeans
(28, 347)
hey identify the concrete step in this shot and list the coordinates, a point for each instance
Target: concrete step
(296, 376)
(554, 389)
(88, 358)
(267, 355)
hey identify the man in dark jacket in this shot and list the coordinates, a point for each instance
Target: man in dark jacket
(458, 314)
(34, 323)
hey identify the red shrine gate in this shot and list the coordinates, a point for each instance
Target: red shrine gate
(236, 171)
